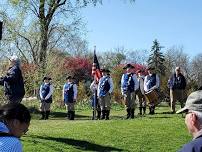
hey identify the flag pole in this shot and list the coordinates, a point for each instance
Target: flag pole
(95, 94)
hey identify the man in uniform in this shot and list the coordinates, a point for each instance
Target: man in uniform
(151, 83)
(45, 92)
(177, 85)
(105, 88)
(69, 97)
(129, 85)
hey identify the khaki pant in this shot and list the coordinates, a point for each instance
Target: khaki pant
(70, 106)
(104, 102)
(45, 106)
(177, 95)
(129, 99)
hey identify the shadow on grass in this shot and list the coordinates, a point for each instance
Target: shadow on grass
(80, 144)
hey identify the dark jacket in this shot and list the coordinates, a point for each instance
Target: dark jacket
(13, 83)
(177, 82)
(194, 146)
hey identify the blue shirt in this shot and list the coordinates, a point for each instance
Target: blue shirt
(9, 144)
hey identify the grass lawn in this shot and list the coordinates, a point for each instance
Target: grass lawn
(161, 132)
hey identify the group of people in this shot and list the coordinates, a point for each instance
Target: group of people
(15, 117)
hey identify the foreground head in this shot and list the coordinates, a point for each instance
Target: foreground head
(193, 110)
(69, 79)
(16, 117)
(150, 70)
(45, 79)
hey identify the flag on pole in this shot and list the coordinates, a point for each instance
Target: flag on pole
(96, 67)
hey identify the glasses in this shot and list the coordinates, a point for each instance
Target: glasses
(187, 112)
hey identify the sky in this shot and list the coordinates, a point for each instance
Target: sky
(118, 23)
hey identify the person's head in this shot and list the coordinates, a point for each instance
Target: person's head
(139, 73)
(69, 79)
(45, 79)
(150, 70)
(128, 68)
(16, 117)
(177, 70)
(105, 72)
(193, 110)
(14, 60)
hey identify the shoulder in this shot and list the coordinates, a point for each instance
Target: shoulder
(10, 144)
(194, 145)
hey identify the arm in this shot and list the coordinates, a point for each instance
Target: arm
(75, 91)
(40, 92)
(98, 88)
(63, 92)
(111, 85)
(136, 84)
(146, 84)
(92, 86)
(122, 80)
(12, 75)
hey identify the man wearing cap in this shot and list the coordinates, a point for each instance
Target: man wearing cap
(177, 85)
(105, 88)
(129, 85)
(140, 93)
(193, 121)
(45, 92)
(70, 96)
(13, 82)
(151, 83)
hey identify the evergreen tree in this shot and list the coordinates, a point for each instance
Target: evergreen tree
(156, 58)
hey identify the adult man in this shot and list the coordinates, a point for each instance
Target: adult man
(105, 88)
(45, 92)
(70, 96)
(140, 93)
(151, 83)
(13, 82)
(177, 84)
(193, 121)
(129, 84)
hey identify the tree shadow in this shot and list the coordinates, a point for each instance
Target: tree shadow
(80, 144)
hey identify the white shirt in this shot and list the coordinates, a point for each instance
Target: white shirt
(74, 89)
(110, 83)
(146, 83)
(49, 94)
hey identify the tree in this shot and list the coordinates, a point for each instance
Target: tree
(156, 58)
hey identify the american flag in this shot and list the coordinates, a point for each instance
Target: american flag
(96, 68)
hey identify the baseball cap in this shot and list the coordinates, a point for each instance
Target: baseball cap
(194, 102)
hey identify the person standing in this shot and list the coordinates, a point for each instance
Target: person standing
(193, 121)
(14, 123)
(13, 82)
(69, 97)
(45, 92)
(151, 83)
(95, 103)
(177, 85)
(129, 85)
(140, 93)
(105, 88)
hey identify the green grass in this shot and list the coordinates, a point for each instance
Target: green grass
(158, 133)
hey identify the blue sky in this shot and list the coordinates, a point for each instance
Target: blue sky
(135, 26)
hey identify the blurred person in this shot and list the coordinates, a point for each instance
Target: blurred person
(13, 81)
(177, 85)
(14, 122)
(193, 121)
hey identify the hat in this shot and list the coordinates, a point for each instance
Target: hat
(194, 102)
(69, 77)
(150, 68)
(105, 70)
(49, 78)
(138, 71)
(128, 66)
(45, 78)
